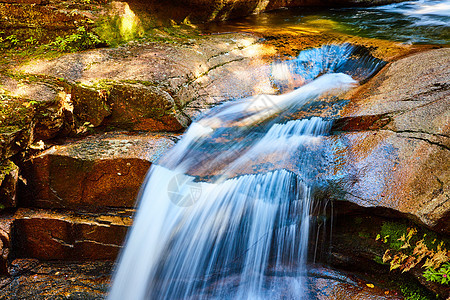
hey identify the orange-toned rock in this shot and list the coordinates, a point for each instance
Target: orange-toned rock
(144, 108)
(100, 171)
(33, 279)
(403, 162)
(49, 235)
(90, 105)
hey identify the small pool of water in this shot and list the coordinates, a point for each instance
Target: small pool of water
(410, 22)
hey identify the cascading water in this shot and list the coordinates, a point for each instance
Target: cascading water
(212, 225)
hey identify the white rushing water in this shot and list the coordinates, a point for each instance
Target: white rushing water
(228, 237)
(424, 12)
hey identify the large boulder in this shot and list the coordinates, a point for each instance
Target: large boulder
(161, 82)
(403, 162)
(101, 171)
(31, 109)
(144, 108)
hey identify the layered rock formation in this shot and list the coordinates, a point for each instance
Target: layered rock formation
(77, 181)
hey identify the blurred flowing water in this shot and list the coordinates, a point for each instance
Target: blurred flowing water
(211, 226)
(409, 22)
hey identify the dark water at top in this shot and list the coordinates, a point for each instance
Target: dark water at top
(412, 22)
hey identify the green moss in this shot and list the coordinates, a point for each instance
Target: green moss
(414, 291)
(104, 84)
(391, 232)
(117, 30)
(143, 82)
(14, 113)
(379, 260)
(6, 167)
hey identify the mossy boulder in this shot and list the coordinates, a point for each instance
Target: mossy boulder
(31, 109)
(16, 126)
(90, 104)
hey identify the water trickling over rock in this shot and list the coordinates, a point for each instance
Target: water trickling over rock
(210, 226)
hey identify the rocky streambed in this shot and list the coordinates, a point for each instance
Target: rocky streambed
(79, 131)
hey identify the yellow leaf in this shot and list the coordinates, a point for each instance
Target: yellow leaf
(428, 263)
(405, 245)
(411, 231)
(441, 256)
(402, 238)
(410, 263)
(370, 285)
(395, 262)
(421, 250)
(386, 256)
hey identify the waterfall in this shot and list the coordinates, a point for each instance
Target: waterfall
(214, 224)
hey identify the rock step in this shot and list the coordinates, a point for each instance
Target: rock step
(92, 174)
(55, 235)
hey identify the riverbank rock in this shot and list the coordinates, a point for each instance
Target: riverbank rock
(69, 236)
(31, 109)
(403, 163)
(197, 74)
(32, 279)
(95, 173)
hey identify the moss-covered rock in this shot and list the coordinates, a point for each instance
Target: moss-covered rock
(16, 126)
(90, 105)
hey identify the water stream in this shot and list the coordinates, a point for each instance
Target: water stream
(410, 22)
(226, 213)
(211, 226)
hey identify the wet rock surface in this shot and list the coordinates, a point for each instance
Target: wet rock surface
(201, 11)
(404, 163)
(195, 75)
(32, 279)
(53, 235)
(94, 173)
